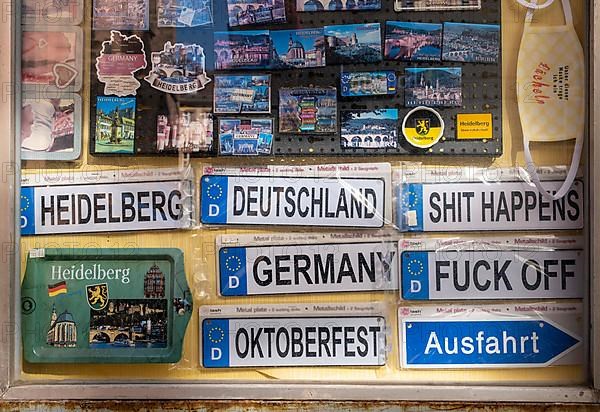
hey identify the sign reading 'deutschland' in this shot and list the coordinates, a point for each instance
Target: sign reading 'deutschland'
(492, 274)
(105, 202)
(354, 195)
(293, 341)
(452, 207)
(491, 336)
(308, 268)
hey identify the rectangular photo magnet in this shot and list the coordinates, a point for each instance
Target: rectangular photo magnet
(308, 110)
(120, 15)
(51, 58)
(471, 43)
(440, 86)
(353, 43)
(242, 94)
(50, 126)
(408, 41)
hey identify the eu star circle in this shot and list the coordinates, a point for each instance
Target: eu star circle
(214, 191)
(216, 335)
(24, 203)
(233, 263)
(415, 267)
(410, 199)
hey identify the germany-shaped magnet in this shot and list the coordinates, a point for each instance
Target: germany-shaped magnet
(104, 306)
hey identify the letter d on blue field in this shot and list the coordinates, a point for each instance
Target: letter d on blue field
(415, 275)
(213, 199)
(27, 211)
(232, 271)
(215, 343)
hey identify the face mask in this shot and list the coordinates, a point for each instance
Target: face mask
(550, 89)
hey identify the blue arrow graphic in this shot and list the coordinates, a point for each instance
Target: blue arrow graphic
(489, 342)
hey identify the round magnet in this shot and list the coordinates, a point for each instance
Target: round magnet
(423, 127)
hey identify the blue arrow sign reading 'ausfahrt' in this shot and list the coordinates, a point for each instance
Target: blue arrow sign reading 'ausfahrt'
(483, 343)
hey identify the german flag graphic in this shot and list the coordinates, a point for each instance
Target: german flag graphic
(57, 288)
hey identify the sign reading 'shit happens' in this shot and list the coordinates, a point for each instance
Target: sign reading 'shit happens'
(356, 195)
(450, 205)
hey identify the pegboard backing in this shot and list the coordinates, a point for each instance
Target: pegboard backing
(481, 83)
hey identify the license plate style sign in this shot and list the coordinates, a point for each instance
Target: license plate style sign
(104, 306)
(338, 197)
(492, 274)
(307, 268)
(519, 336)
(485, 206)
(105, 201)
(295, 341)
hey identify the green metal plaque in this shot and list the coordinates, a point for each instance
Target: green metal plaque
(104, 306)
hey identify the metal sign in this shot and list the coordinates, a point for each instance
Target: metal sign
(308, 268)
(293, 341)
(330, 196)
(104, 305)
(531, 336)
(108, 201)
(492, 274)
(485, 206)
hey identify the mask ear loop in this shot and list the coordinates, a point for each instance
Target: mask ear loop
(531, 169)
(534, 5)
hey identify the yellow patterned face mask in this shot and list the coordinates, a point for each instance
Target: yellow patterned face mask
(551, 88)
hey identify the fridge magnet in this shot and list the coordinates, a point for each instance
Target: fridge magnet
(410, 41)
(357, 84)
(423, 127)
(308, 110)
(472, 43)
(50, 126)
(433, 86)
(120, 58)
(249, 136)
(436, 5)
(243, 94)
(191, 131)
(369, 129)
(298, 49)
(244, 12)
(474, 126)
(184, 13)
(353, 43)
(105, 306)
(178, 69)
(337, 5)
(120, 15)
(115, 125)
(52, 57)
(251, 49)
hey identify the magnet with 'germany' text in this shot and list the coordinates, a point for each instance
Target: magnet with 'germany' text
(120, 58)
(104, 306)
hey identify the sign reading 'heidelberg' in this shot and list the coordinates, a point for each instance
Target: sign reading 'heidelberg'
(106, 201)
